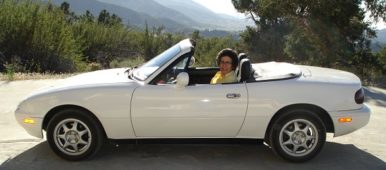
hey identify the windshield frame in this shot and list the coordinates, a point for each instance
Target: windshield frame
(162, 61)
(150, 67)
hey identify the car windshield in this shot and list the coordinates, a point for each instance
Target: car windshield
(151, 66)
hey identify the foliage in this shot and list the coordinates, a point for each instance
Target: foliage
(45, 38)
(40, 37)
(127, 62)
(323, 33)
(10, 71)
(382, 58)
(266, 45)
(207, 48)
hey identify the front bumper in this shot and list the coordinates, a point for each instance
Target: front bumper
(359, 117)
(34, 129)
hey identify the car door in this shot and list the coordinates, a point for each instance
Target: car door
(193, 111)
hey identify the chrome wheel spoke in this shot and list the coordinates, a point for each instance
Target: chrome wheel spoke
(75, 126)
(296, 126)
(296, 147)
(288, 132)
(62, 136)
(65, 128)
(75, 147)
(310, 138)
(81, 141)
(81, 133)
(66, 144)
(305, 129)
(289, 141)
(304, 145)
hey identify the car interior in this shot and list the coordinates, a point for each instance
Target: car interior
(203, 75)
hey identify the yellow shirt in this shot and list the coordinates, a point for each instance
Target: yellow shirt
(228, 78)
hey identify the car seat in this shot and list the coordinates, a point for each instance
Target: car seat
(240, 57)
(246, 70)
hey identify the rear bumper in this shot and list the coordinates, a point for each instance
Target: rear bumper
(359, 117)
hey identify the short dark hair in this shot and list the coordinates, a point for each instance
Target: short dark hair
(230, 53)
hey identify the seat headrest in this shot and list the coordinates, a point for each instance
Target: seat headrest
(242, 56)
(245, 70)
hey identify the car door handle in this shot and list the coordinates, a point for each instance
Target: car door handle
(233, 95)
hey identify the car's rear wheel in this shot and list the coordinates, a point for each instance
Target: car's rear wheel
(297, 135)
(74, 135)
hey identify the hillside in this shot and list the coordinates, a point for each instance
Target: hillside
(381, 36)
(128, 16)
(175, 15)
(379, 42)
(154, 9)
(201, 14)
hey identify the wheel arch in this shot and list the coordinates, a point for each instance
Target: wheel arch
(321, 113)
(50, 114)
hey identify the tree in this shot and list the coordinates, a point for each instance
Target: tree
(381, 55)
(103, 17)
(196, 35)
(106, 19)
(65, 7)
(45, 42)
(265, 45)
(88, 17)
(147, 44)
(319, 32)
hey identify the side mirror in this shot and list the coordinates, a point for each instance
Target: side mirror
(182, 79)
(192, 61)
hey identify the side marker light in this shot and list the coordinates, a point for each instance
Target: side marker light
(29, 121)
(345, 119)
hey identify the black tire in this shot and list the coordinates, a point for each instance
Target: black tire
(77, 142)
(297, 135)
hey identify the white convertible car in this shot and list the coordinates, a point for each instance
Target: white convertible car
(291, 107)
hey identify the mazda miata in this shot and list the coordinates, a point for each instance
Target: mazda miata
(291, 107)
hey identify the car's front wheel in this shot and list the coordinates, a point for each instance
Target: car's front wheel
(74, 135)
(297, 135)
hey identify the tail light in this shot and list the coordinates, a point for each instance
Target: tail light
(360, 96)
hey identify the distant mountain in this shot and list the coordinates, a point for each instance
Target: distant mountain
(379, 42)
(128, 16)
(381, 36)
(202, 14)
(174, 15)
(153, 9)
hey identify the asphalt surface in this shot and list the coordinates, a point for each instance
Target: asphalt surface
(363, 149)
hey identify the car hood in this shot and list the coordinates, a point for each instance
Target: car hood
(95, 78)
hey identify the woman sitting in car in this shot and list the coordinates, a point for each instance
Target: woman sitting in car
(227, 61)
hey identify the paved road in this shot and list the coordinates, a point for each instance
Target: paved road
(363, 149)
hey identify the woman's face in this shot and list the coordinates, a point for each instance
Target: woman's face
(225, 65)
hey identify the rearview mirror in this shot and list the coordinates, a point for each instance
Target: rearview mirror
(182, 79)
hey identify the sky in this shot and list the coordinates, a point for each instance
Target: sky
(226, 7)
(220, 6)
